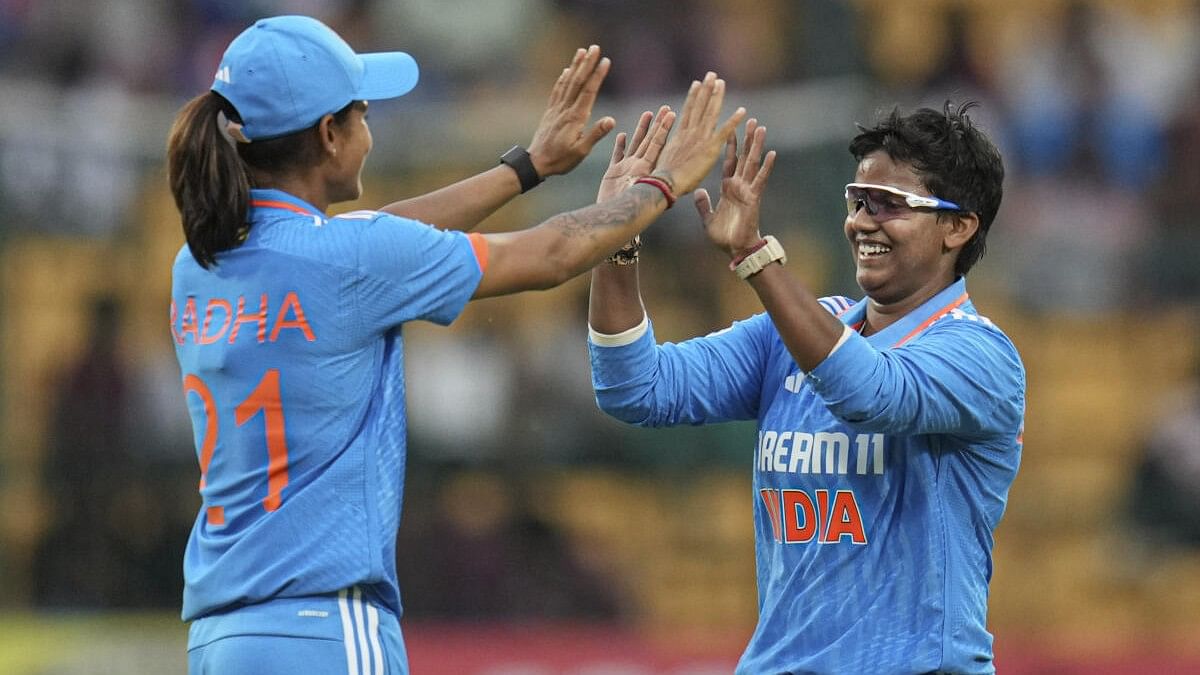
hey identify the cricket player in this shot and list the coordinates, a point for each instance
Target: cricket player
(889, 428)
(288, 326)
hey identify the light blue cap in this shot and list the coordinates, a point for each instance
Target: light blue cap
(285, 73)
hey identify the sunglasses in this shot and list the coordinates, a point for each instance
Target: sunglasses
(885, 202)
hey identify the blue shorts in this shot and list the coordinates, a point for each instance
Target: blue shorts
(335, 633)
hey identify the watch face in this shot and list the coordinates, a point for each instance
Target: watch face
(514, 154)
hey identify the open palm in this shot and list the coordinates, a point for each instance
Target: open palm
(733, 225)
(636, 158)
(563, 138)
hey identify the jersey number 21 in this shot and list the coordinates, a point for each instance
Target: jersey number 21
(264, 398)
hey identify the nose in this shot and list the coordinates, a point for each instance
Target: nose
(861, 221)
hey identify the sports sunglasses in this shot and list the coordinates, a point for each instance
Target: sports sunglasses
(887, 202)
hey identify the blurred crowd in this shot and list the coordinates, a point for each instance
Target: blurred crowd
(1096, 104)
(1096, 107)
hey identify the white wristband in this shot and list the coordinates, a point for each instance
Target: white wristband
(768, 252)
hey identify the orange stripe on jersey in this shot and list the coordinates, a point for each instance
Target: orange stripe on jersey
(216, 515)
(927, 322)
(480, 247)
(272, 204)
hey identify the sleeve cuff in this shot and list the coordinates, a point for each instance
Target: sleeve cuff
(846, 333)
(623, 338)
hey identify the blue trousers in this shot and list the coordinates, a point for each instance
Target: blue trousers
(340, 634)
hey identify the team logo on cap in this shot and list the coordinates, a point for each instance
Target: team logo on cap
(223, 75)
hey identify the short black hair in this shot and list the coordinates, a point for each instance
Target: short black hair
(954, 159)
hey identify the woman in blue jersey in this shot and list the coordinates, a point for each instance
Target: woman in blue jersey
(287, 325)
(889, 428)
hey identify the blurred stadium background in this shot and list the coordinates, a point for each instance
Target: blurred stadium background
(540, 537)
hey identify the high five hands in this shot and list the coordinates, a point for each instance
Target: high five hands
(639, 156)
(683, 158)
(696, 142)
(733, 225)
(687, 157)
(560, 141)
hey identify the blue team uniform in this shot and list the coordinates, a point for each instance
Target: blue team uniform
(879, 477)
(292, 360)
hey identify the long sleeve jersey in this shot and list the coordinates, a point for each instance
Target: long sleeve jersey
(879, 477)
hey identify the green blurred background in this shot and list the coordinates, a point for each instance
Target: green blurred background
(538, 535)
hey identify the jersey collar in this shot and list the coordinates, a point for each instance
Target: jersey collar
(915, 322)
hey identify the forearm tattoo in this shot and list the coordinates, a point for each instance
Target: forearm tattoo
(614, 213)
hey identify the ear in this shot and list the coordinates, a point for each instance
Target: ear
(959, 229)
(327, 133)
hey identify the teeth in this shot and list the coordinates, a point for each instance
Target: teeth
(872, 249)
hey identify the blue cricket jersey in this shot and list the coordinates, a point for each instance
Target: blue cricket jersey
(879, 477)
(292, 362)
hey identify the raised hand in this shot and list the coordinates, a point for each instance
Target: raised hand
(733, 226)
(642, 156)
(697, 140)
(561, 142)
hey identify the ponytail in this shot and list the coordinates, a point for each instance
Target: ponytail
(208, 180)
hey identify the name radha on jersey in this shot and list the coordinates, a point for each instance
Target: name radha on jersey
(223, 321)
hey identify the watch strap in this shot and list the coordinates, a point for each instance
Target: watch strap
(767, 251)
(518, 158)
(627, 254)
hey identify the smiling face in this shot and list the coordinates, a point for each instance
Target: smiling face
(903, 260)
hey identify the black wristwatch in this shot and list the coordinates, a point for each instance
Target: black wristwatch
(518, 158)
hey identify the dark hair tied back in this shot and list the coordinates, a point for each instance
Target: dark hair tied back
(208, 180)
(211, 177)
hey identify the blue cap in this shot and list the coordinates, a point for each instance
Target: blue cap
(285, 73)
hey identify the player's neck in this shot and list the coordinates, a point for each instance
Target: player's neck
(308, 188)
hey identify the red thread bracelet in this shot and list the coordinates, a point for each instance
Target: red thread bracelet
(661, 185)
(747, 253)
